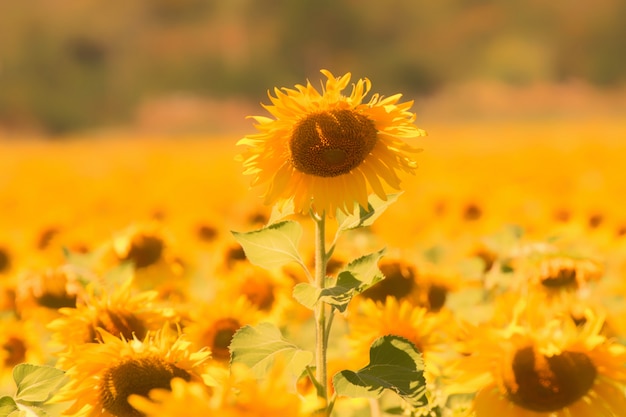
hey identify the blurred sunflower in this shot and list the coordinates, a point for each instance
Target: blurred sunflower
(103, 375)
(39, 294)
(426, 288)
(267, 291)
(149, 248)
(327, 151)
(121, 313)
(193, 397)
(213, 325)
(20, 341)
(557, 277)
(552, 370)
(236, 394)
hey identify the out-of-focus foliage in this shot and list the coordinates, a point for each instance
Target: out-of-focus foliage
(83, 63)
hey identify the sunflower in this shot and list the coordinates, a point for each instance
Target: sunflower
(121, 313)
(425, 288)
(213, 325)
(327, 151)
(429, 332)
(236, 394)
(554, 369)
(556, 278)
(103, 375)
(20, 341)
(267, 291)
(39, 294)
(193, 397)
(149, 248)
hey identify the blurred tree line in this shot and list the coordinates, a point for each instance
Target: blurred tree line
(75, 64)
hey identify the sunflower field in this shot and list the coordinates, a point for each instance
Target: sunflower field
(342, 258)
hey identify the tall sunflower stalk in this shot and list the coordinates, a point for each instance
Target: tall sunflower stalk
(332, 156)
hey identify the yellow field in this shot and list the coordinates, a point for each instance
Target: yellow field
(560, 182)
(473, 179)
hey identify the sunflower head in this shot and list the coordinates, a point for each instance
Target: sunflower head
(531, 367)
(103, 375)
(49, 290)
(121, 312)
(213, 325)
(326, 151)
(560, 276)
(19, 342)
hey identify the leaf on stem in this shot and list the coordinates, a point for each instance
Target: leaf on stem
(37, 383)
(279, 212)
(272, 246)
(395, 365)
(7, 406)
(258, 346)
(354, 278)
(362, 217)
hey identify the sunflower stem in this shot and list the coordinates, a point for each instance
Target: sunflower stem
(321, 331)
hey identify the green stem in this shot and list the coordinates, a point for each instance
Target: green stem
(321, 333)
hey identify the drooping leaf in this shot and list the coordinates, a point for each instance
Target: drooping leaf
(259, 346)
(272, 246)
(362, 217)
(342, 292)
(37, 383)
(395, 365)
(7, 406)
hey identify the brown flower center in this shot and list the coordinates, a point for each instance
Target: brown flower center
(563, 278)
(5, 261)
(331, 143)
(399, 282)
(437, 295)
(15, 351)
(260, 291)
(145, 251)
(549, 383)
(220, 336)
(51, 290)
(135, 376)
(118, 323)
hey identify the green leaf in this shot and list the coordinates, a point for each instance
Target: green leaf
(365, 269)
(279, 213)
(395, 365)
(37, 383)
(362, 217)
(31, 410)
(258, 347)
(272, 246)
(7, 406)
(306, 294)
(341, 293)
(354, 278)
